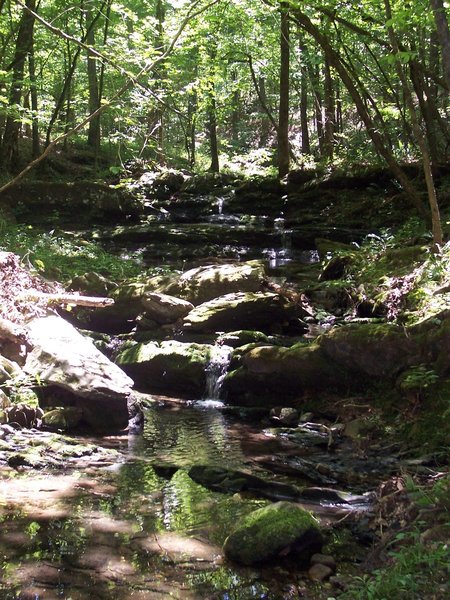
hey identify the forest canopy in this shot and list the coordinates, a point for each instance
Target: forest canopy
(227, 83)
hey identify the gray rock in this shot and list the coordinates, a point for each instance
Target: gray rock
(210, 281)
(163, 308)
(65, 360)
(243, 309)
(319, 572)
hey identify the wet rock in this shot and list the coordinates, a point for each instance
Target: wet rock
(335, 268)
(65, 360)
(210, 281)
(244, 309)
(280, 528)
(229, 481)
(236, 339)
(269, 371)
(324, 559)
(92, 283)
(285, 417)
(171, 367)
(24, 415)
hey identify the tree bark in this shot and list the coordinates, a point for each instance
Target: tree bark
(283, 117)
(306, 143)
(212, 115)
(443, 32)
(9, 154)
(432, 197)
(94, 134)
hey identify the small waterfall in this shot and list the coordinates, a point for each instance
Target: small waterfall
(216, 371)
(280, 256)
(220, 203)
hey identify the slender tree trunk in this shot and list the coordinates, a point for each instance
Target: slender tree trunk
(283, 118)
(265, 122)
(36, 144)
(9, 152)
(329, 112)
(443, 32)
(235, 111)
(94, 97)
(432, 198)
(212, 114)
(160, 75)
(306, 144)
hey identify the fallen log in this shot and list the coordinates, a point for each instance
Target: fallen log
(74, 299)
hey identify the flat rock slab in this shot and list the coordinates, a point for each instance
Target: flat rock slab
(64, 359)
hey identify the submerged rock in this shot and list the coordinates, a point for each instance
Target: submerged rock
(280, 528)
(65, 361)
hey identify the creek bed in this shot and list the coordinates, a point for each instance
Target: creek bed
(131, 523)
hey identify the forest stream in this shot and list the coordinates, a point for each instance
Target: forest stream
(144, 514)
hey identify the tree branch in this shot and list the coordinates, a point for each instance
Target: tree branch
(191, 14)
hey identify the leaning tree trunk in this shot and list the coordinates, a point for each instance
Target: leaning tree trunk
(283, 117)
(383, 150)
(432, 198)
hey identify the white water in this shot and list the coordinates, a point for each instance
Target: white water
(216, 371)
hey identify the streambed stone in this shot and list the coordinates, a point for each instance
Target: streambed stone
(170, 367)
(210, 281)
(64, 361)
(279, 528)
(259, 310)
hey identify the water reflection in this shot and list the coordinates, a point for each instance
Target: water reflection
(138, 528)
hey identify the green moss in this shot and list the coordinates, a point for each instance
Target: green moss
(268, 530)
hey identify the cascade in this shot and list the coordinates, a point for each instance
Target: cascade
(216, 370)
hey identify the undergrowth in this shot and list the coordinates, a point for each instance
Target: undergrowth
(58, 256)
(418, 565)
(399, 272)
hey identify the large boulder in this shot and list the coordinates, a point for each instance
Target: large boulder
(275, 374)
(274, 530)
(210, 281)
(259, 310)
(74, 373)
(170, 367)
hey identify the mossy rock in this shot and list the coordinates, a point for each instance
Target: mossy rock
(264, 534)
(62, 418)
(171, 367)
(243, 337)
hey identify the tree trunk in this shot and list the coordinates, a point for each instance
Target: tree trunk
(94, 96)
(212, 113)
(306, 144)
(432, 198)
(9, 153)
(36, 144)
(283, 117)
(373, 132)
(329, 113)
(443, 32)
